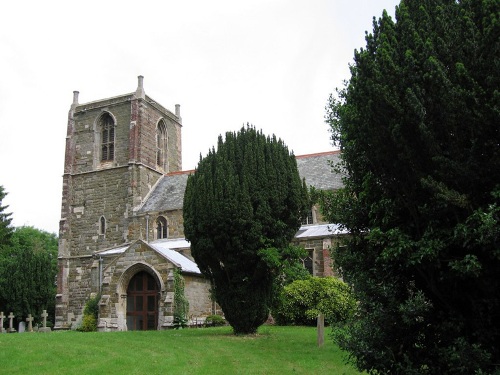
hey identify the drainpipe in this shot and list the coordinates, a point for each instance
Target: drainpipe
(100, 275)
(147, 228)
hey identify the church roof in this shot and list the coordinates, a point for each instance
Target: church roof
(317, 170)
(319, 230)
(167, 248)
(168, 193)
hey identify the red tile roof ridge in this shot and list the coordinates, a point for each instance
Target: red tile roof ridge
(190, 171)
(334, 152)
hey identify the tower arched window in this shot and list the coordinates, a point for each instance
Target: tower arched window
(161, 228)
(161, 145)
(102, 225)
(107, 126)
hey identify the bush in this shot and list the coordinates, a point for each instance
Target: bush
(89, 324)
(214, 321)
(302, 301)
(90, 315)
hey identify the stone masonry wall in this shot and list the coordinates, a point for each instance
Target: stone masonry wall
(74, 292)
(197, 290)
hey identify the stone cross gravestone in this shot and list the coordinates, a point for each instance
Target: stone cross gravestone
(29, 319)
(22, 327)
(11, 323)
(2, 317)
(44, 324)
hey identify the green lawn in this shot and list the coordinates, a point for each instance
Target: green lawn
(274, 350)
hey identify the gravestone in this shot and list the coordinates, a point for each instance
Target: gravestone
(11, 323)
(44, 324)
(2, 317)
(29, 319)
(22, 327)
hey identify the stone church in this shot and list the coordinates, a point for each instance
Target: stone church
(121, 230)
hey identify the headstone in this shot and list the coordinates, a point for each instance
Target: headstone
(321, 329)
(44, 324)
(2, 317)
(11, 323)
(22, 327)
(29, 319)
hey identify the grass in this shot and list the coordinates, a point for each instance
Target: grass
(274, 350)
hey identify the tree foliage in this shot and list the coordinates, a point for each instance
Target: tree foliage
(418, 127)
(5, 220)
(28, 269)
(242, 207)
(90, 314)
(181, 303)
(303, 300)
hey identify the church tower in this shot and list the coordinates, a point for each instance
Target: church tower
(116, 150)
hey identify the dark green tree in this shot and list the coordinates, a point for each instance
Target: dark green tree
(5, 220)
(242, 207)
(28, 269)
(418, 124)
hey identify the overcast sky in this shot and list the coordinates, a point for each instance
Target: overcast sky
(272, 63)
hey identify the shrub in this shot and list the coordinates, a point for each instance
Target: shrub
(302, 301)
(89, 324)
(90, 315)
(214, 321)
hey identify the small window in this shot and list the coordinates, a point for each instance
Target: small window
(102, 225)
(308, 261)
(308, 219)
(161, 228)
(161, 145)
(107, 137)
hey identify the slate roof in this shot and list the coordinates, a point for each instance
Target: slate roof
(168, 193)
(317, 170)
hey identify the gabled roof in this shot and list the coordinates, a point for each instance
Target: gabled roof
(167, 249)
(168, 193)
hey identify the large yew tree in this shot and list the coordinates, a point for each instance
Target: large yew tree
(242, 207)
(418, 124)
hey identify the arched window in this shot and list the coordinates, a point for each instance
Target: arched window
(308, 261)
(161, 145)
(308, 219)
(107, 126)
(161, 228)
(102, 225)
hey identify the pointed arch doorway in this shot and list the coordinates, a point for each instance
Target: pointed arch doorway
(142, 302)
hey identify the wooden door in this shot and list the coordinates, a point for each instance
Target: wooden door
(142, 302)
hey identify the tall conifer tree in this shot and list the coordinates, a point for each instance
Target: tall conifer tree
(242, 207)
(5, 220)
